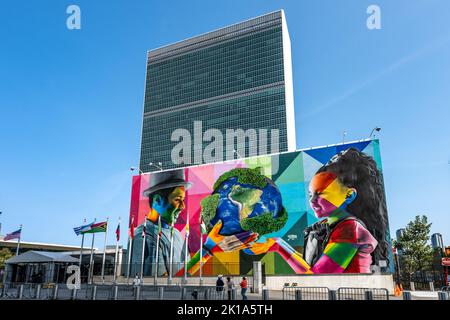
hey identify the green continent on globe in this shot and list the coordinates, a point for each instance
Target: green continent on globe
(244, 176)
(209, 206)
(265, 223)
(245, 199)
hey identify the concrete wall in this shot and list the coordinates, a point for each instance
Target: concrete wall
(333, 282)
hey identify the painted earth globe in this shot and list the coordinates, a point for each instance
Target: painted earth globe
(244, 200)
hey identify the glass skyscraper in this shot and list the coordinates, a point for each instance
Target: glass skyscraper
(237, 77)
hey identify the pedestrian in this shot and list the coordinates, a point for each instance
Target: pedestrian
(230, 287)
(136, 284)
(243, 285)
(219, 283)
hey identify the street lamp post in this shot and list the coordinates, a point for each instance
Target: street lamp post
(136, 168)
(377, 129)
(159, 165)
(237, 153)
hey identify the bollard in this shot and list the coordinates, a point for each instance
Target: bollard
(183, 293)
(368, 295)
(442, 295)
(38, 292)
(233, 294)
(407, 295)
(207, 294)
(55, 292)
(21, 291)
(161, 293)
(138, 293)
(332, 295)
(116, 292)
(413, 287)
(265, 294)
(94, 293)
(298, 294)
(431, 284)
(74, 294)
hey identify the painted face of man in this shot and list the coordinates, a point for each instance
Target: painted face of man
(170, 208)
(328, 194)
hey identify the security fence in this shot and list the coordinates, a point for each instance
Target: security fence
(362, 294)
(305, 293)
(16, 291)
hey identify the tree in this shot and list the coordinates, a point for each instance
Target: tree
(5, 254)
(416, 253)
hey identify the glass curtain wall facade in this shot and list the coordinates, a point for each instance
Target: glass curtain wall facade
(238, 77)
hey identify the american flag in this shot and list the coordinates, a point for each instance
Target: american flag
(13, 235)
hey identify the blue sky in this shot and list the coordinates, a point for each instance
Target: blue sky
(71, 101)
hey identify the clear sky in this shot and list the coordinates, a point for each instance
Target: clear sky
(71, 100)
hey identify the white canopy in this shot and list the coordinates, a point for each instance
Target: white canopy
(41, 256)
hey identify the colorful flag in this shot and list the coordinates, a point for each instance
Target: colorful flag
(118, 232)
(97, 227)
(131, 230)
(82, 229)
(203, 227)
(13, 235)
(187, 228)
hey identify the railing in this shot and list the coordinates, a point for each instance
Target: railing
(187, 292)
(362, 294)
(305, 293)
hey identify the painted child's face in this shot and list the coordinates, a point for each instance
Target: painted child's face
(327, 194)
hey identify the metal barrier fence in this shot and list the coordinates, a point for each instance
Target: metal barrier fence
(305, 293)
(187, 292)
(362, 294)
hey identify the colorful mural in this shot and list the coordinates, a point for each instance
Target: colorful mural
(320, 210)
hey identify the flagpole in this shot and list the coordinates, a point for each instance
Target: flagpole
(171, 255)
(130, 248)
(144, 231)
(186, 247)
(117, 251)
(201, 255)
(81, 248)
(157, 250)
(91, 259)
(104, 253)
(18, 241)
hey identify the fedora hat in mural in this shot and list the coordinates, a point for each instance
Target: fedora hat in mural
(167, 179)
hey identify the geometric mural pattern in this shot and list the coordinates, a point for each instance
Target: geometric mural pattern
(290, 171)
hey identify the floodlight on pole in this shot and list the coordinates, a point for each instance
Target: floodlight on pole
(237, 153)
(136, 168)
(372, 133)
(159, 165)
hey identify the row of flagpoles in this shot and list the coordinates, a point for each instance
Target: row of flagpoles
(99, 227)
(171, 228)
(94, 228)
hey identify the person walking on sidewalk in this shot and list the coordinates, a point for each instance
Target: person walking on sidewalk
(243, 285)
(230, 287)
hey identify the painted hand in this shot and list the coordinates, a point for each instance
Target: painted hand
(219, 243)
(262, 247)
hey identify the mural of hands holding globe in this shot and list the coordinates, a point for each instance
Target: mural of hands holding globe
(243, 206)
